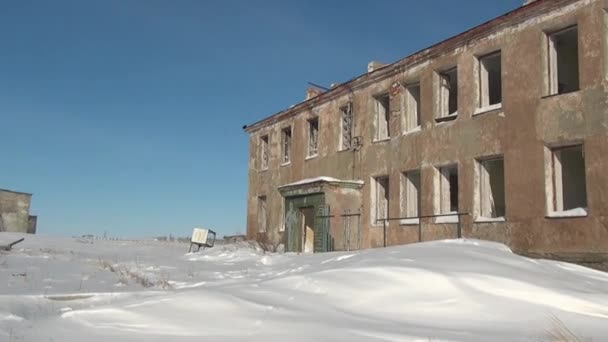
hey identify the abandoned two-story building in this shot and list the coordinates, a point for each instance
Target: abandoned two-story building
(498, 133)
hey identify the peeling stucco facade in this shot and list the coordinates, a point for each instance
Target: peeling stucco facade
(520, 131)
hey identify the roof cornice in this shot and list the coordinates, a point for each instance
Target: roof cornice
(514, 17)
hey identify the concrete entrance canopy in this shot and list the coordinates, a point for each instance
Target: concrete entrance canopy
(328, 198)
(317, 185)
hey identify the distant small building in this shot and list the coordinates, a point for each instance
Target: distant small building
(15, 212)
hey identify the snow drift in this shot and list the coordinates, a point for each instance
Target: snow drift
(453, 290)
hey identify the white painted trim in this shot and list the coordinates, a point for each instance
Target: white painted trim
(576, 212)
(409, 221)
(482, 219)
(488, 109)
(447, 219)
(413, 130)
(313, 156)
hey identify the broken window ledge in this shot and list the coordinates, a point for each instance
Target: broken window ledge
(558, 94)
(312, 156)
(381, 140)
(487, 109)
(447, 219)
(482, 219)
(448, 117)
(576, 212)
(410, 221)
(413, 130)
(286, 163)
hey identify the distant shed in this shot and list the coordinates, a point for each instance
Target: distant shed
(15, 212)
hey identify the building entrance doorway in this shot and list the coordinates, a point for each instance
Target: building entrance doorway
(308, 231)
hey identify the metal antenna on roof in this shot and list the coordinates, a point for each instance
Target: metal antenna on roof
(318, 86)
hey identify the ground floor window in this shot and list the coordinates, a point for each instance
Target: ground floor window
(410, 196)
(380, 195)
(262, 214)
(566, 181)
(491, 188)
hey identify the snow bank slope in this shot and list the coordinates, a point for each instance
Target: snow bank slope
(454, 290)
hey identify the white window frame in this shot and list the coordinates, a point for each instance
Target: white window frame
(313, 152)
(262, 214)
(554, 183)
(443, 192)
(264, 151)
(484, 83)
(552, 69)
(410, 196)
(483, 192)
(380, 206)
(413, 106)
(443, 92)
(382, 117)
(286, 146)
(344, 112)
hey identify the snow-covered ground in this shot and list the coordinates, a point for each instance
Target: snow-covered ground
(60, 289)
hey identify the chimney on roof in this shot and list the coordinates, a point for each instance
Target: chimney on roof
(374, 65)
(312, 92)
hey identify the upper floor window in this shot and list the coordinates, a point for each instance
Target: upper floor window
(264, 152)
(412, 107)
(448, 94)
(490, 81)
(286, 145)
(563, 61)
(346, 123)
(313, 137)
(382, 121)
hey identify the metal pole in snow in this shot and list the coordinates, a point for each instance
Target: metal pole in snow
(384, 228)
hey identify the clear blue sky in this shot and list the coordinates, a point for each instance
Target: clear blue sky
(125, 116)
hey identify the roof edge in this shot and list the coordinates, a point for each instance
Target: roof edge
(16, 192)
(510, 18)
